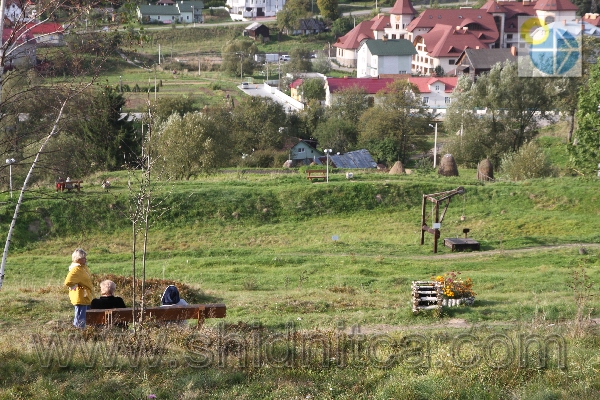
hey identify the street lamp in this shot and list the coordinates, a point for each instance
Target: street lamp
(327, 152)
(10, 162)
(434, 146)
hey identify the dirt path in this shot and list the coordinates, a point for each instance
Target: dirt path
(512, 251)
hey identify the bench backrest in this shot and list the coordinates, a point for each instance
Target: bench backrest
(171, 313)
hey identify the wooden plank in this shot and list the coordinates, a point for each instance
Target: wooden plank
(160, 314)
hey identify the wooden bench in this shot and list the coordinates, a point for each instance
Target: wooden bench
(62, 185)
(316, 174)
(114, 316)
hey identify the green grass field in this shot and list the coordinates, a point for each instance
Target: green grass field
(308, 316)
(262, 244)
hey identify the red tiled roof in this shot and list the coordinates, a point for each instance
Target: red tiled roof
(403, 7)
(7, 32)
(592, 19)
(370, 85)
(447, 41)
(45, 28)
(296, 83)
(352, 39)
(454, 17)
(424, 82)
(493, 7)
(554, 5)
(380, 22)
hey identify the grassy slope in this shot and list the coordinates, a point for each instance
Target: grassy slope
(277, 264)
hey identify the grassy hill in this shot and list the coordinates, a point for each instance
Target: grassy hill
(262, 244)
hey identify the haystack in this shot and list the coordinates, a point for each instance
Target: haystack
(485, 170)
(397, 169)
(448, 166)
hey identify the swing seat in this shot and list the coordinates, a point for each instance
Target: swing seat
(460, 244)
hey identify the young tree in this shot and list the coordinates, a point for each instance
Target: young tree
(514, 107)
(394, 128)
(337, 134)
(165, 106)
(342, 25)
(304, 123)
(198, 142)
(293, 11)
(95, 132)
(585, 150)
(328, 9)
(256, 123)
(313, 89)
(322, 64)
(299, 61)
(349, 104)
(238, 57)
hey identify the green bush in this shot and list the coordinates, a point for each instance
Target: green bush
(260, 159)
(530, 161)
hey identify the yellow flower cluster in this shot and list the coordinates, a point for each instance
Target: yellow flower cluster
(454, 287)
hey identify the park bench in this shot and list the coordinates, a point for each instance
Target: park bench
(62, 185)
(114, 316)
(316, 174)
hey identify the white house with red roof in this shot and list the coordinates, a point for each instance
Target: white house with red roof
(436, 93)
(22, 51)
(401, 15)
(371, 86)
(347, 46)
(391, 26)
(46, 34)
(441, 35)
(442, 46)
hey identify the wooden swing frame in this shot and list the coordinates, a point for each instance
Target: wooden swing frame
(436, 199)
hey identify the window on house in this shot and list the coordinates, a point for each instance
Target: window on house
(426, 100)
(370, 101)
(402, 72)
(509, 36)
(397, 26)
(301, 150)
(393, 36)
(447, 100)
(437, 87)
(188, 17)
(451, 62)
(158, 17)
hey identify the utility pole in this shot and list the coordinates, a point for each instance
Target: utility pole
(159, 54)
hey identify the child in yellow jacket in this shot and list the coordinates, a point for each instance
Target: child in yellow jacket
(79, 281)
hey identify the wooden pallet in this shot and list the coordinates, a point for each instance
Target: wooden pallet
(426, 295)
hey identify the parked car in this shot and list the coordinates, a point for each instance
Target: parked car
(284, 57)
(245, 85)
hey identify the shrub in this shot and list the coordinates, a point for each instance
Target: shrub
(530, 161)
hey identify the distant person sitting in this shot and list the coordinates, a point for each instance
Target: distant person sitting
(107, 297)
(171, 297)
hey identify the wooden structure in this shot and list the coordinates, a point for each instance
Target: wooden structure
(114, 316)
(316, 174)
(426, 295)
(436, 199)
(458, 244)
